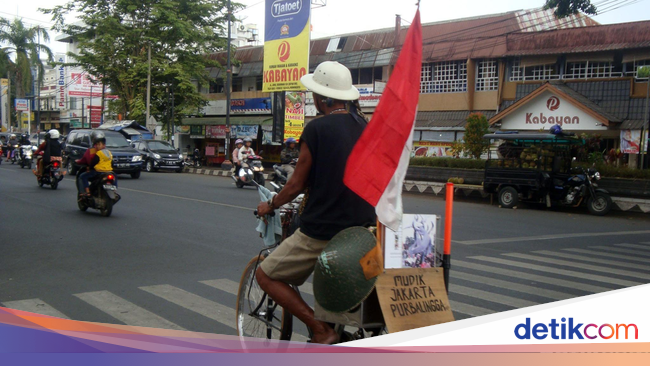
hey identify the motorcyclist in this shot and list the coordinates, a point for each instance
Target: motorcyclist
(330, 206)
(196, 156)
(11, 145)
(287, 155)
(246, 150)
(24, 141)
(235, 155)
(98, 159)
(48, 151)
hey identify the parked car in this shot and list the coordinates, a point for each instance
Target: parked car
(158, 154)
(126, 160)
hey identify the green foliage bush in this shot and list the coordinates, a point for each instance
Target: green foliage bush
(449, 163)
(610, 171)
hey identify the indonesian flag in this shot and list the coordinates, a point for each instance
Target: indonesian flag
(377, 165)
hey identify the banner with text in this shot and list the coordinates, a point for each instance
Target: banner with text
(286, 44)
(215, 132)
(294, 115)
(86, 86)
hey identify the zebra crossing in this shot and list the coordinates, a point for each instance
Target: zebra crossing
(480, 285)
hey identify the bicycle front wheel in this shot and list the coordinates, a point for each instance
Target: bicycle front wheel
(258, 315)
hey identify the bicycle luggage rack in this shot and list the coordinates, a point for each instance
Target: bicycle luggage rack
(366, 315)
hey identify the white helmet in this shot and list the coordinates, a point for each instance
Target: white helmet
(54, 134)
(332, 80)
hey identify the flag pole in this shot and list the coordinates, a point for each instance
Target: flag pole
(446, 256)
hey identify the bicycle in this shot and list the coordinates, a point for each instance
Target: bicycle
(259, 316)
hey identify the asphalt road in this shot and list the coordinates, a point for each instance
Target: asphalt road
(175, 247)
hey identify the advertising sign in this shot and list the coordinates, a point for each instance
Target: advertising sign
(630, 141)
(429, 149)
(22, 105)
(547, 110)
(286, 44)
(197, 132)
(84, 85)
(60, 91)
(251, 106)
(215, 132)
(368, 98)
(294, 115)
(241, 132)
(95, 115)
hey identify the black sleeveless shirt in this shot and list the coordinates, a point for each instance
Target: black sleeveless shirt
(330, 206)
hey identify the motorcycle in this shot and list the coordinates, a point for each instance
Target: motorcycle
(253, 167)
(191, 163)
(581, 187)
(13, 154)
(103, 194)
(51, 175)
(280, 177)
(26, 156)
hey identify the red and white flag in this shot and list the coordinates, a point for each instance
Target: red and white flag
(377, 165)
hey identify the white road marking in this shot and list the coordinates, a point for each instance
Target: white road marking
(467, 309)
(533, 290)
(37, 306)
(563, 272)
(588, 267)
(634, 246)
(608, 255)
(208, 308)
(624, 251)
(583, 258)
(188, 199)
(550, 237)
(529, 276)
(490, 296)
(125, 311)
(232, 287)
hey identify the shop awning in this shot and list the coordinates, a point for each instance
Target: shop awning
(234, 120)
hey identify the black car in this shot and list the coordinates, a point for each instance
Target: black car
(126, 160)
(158, 154)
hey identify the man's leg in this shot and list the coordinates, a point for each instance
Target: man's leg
(289, 169)
(291, 301)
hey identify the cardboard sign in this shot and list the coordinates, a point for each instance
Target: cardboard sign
(412, 298)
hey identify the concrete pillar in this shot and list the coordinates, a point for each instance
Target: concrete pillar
(471, 83)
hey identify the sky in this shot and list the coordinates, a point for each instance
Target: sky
(348, 16)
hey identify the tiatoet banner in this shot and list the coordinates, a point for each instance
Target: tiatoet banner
(286, 44)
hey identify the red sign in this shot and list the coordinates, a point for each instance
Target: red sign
(95, 115)
(553, 103)
(284, 51)
(215, 132)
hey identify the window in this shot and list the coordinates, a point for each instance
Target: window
(73, 139)
(444, 77)
(590, 70)
(366, 75)
(486, 76)
(73, 103)
(237, 84)
(633, 68)
(216, 86)
(446, 136)
(259, 83)
(537, 72)
(336, 44)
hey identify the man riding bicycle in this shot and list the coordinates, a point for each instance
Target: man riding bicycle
(330, 207)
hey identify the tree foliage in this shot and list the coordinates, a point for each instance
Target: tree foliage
(23, 43)
(565, 8)
(114, 36)
(474, 144)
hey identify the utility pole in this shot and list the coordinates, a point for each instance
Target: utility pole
(227, 164)
(172, 114)
(646, 117)
(101, 118)
(148, 86)
(169, 132)
(90, 109)
(83, 120)
(38, 83)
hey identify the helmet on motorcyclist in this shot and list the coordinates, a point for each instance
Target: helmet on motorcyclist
(12, 136)
(97, 136)
(556, 130)
(248, 139)
(54, 134)
(239, 141)
(290, 141)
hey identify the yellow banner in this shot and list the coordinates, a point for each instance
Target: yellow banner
(294, 115)
(24, 117)
(4, 82)
(285, 62)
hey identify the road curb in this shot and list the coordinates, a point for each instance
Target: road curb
(468, 190)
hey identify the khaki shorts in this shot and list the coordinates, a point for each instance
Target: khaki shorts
(294, 260)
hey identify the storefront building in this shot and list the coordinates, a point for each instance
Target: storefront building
(489, 65)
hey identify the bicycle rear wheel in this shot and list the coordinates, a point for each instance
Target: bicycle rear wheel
(258, 315)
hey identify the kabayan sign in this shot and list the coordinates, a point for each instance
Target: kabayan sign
(547, 110)
(286, 44)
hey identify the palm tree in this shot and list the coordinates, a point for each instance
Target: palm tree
(24, 43)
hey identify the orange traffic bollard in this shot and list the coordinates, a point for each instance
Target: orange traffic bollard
(449, 212)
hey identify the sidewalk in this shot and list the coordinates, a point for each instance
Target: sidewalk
(620, 203)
